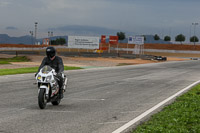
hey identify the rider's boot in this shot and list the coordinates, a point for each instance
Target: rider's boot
(61, 93)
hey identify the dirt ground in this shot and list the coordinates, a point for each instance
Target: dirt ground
(81, 61)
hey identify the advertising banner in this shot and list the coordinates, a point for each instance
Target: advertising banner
(113, 39)
(103, 39)
(139, 40)
(83, 42)
(130, 40)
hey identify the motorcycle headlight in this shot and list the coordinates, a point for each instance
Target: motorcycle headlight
(48, 78)
(39, 77)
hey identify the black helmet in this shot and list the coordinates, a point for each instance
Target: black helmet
(50, 52)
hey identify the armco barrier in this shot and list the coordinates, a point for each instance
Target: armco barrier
(129, 56)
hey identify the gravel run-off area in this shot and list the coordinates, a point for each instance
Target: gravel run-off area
(84, 62)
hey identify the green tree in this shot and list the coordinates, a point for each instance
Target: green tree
(61, 41)
(194, 39)
(53, 42)
(58, 41)
(121, 36)
(180, 38)
(167, 38)
(156, 37)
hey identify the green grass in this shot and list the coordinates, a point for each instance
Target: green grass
(4, 62)
(71, 68)
(124, 64)
(14, 59)
(28, 70)
(23, 70)
(182, 116)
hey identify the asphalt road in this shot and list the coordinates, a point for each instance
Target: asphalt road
(97, 100)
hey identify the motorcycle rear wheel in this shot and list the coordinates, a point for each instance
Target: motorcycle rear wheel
(57, 102)
(42, 101)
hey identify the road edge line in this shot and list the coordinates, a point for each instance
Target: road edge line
(138, 118)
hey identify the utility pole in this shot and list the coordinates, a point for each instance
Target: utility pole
(50, 34)
(36, 32)
(194, 30)
(31, 32)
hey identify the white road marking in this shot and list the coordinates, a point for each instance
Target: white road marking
(85, 99)
(132, 122)
(51, 111)
(21, 109)
(12, 111)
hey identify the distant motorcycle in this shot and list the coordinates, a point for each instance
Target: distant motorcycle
(48, 87)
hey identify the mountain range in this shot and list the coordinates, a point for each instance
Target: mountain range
(5, 39)
(84, 30)
(77, 30)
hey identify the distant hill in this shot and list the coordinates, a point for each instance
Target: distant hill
(5, 39)
(83, 30)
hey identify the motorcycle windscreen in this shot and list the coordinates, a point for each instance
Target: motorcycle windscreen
(46, 69)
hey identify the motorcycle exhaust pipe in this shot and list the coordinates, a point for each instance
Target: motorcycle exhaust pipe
(65, 84)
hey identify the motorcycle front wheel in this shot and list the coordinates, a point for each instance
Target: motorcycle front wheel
(42, 101)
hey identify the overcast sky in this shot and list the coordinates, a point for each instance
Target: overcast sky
(163, 17)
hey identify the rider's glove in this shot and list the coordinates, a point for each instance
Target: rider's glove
(36, 74)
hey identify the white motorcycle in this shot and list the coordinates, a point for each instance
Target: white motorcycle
(48, 87)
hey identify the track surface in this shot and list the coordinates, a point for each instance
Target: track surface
(97, 100)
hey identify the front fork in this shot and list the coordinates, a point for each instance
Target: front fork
(46, 88)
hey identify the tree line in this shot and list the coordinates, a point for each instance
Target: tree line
(121, 36)
(179, 38)
(58, 41)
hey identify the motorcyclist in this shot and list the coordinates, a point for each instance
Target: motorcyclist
(56, 63)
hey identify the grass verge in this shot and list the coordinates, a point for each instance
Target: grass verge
(124, 64)
(182, 116)
(28, 70)
(4, 62)
(14, 59)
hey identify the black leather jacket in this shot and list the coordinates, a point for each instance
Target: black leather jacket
(56, 64)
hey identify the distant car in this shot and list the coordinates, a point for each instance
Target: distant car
(160, 58)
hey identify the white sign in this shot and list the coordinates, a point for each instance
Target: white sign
(130, 40)
(136, 40)
(83, 42)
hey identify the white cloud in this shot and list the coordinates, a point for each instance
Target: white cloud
(53, 5)
(4, 3)
(67, 5)
(146, 16)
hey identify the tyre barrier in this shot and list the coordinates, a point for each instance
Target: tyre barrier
(89, 54)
